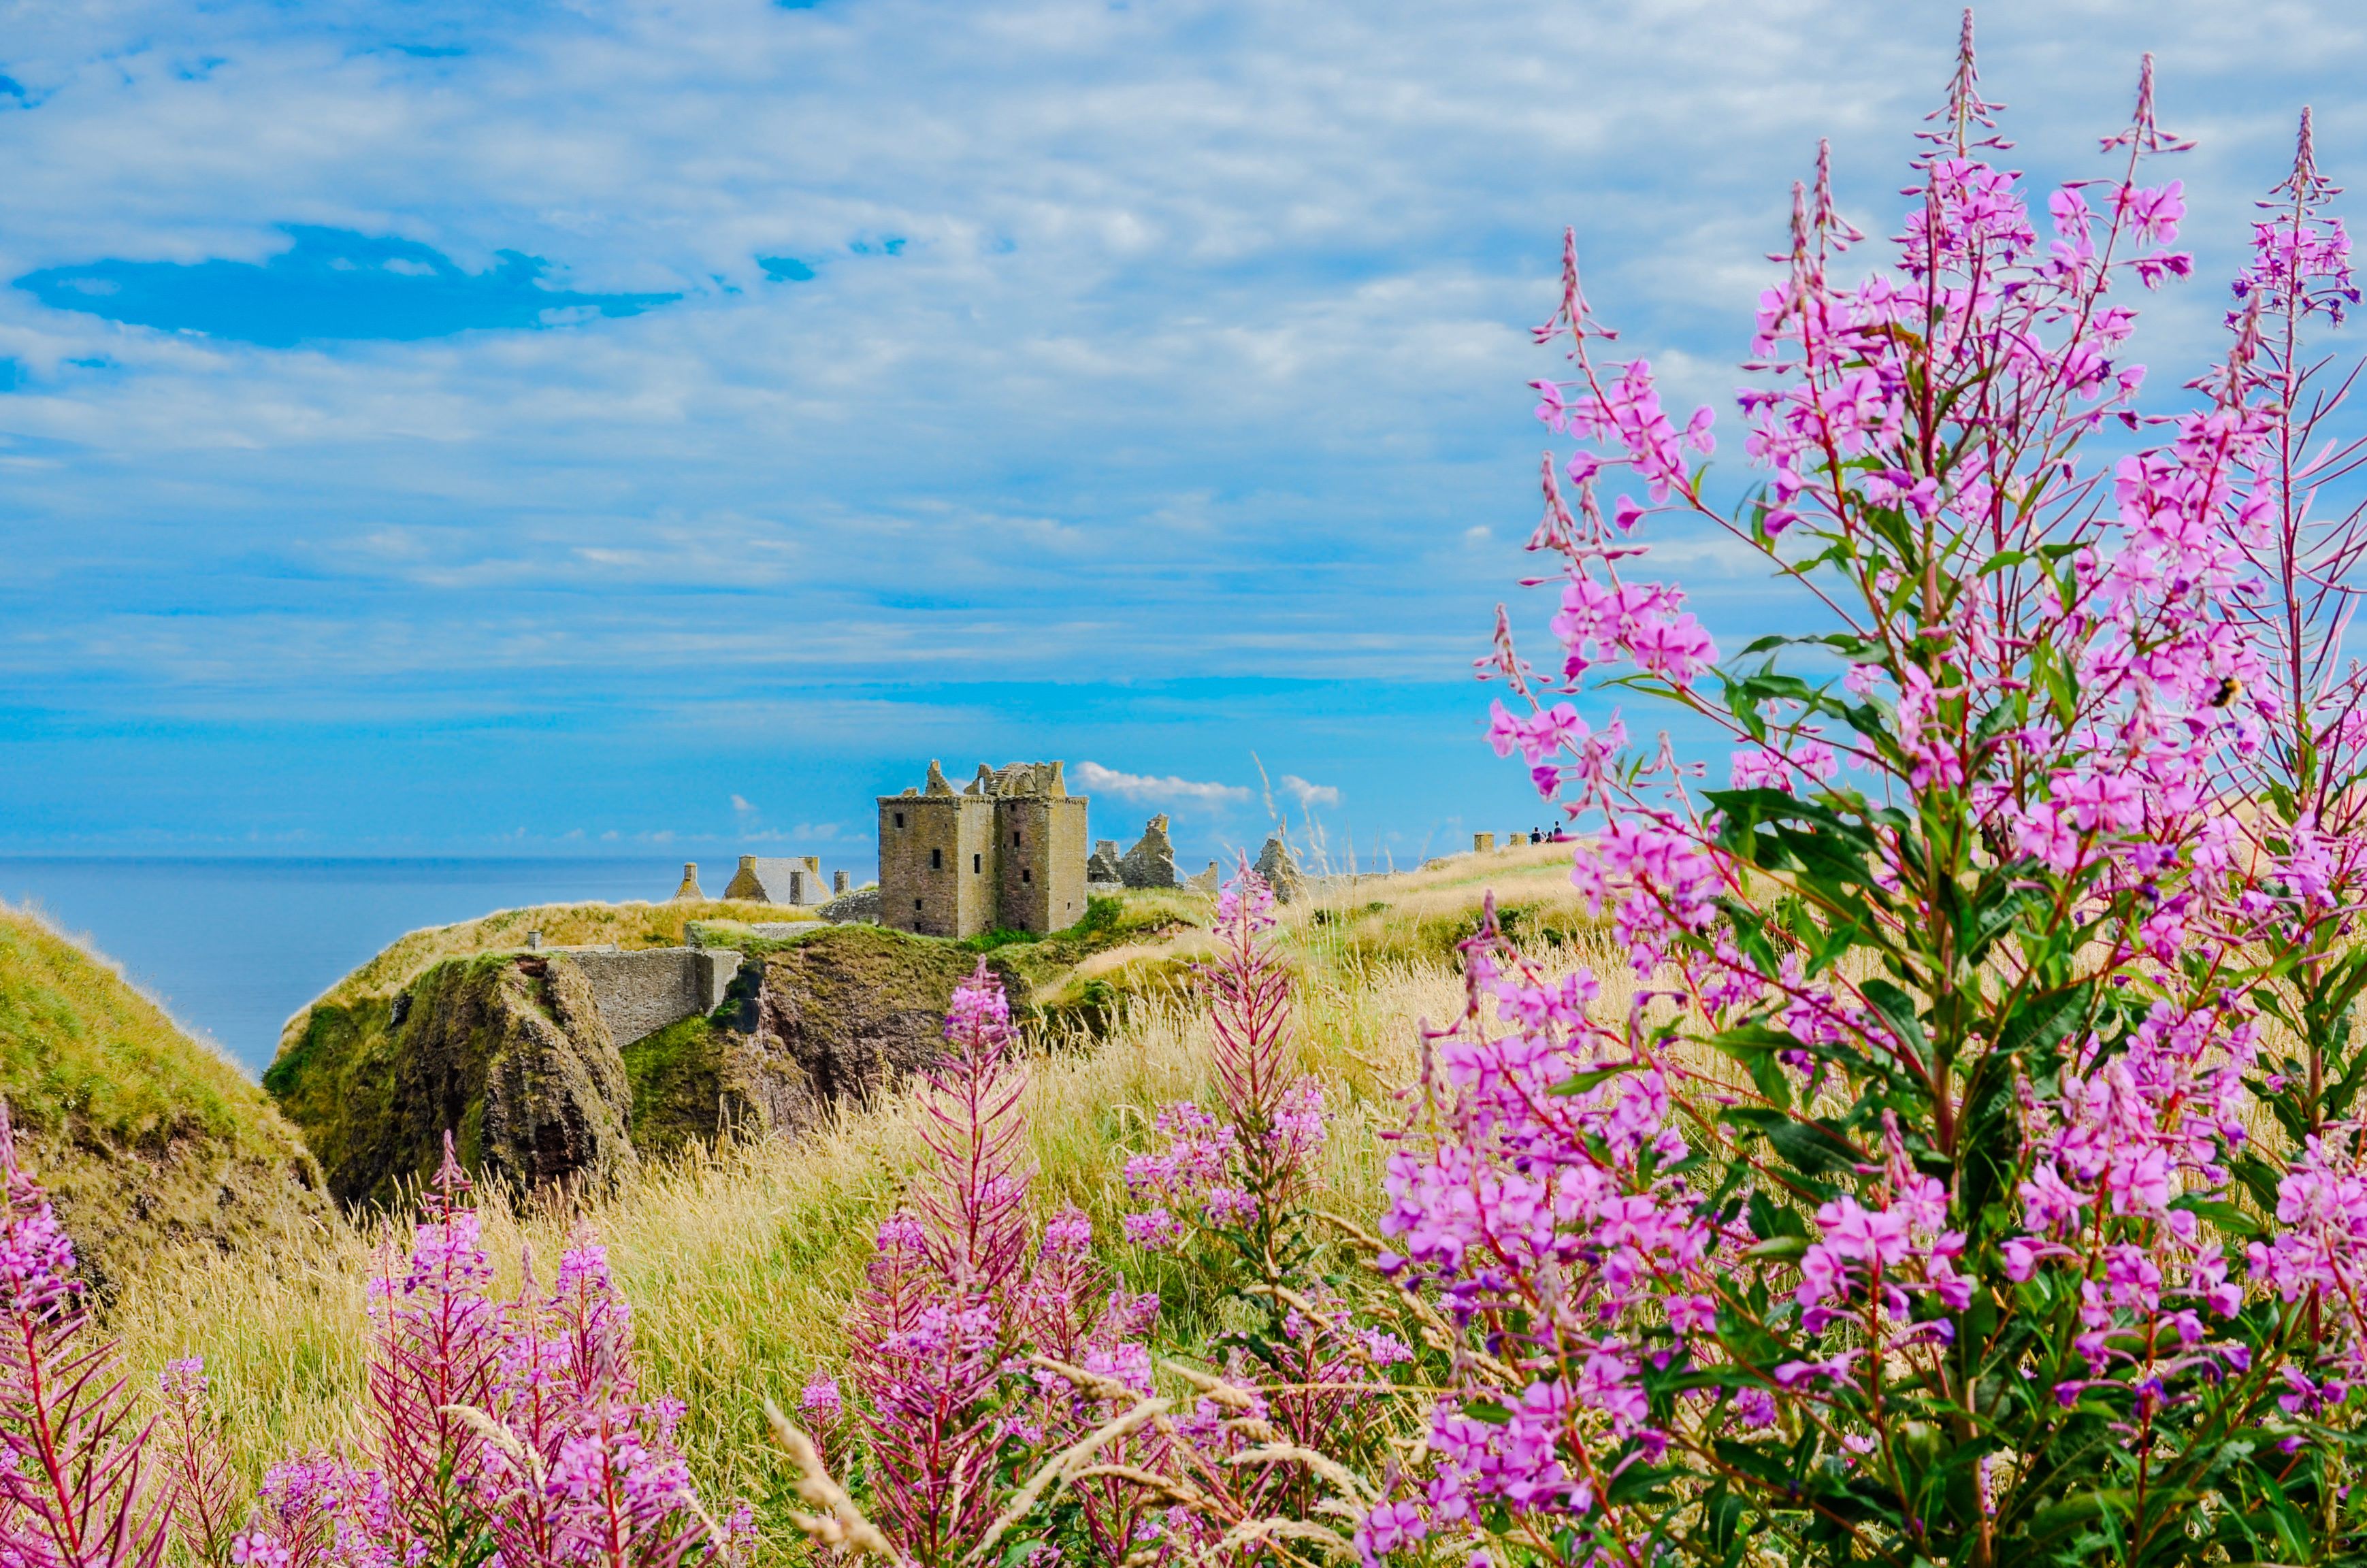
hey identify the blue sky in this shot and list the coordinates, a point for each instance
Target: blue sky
(451, 428)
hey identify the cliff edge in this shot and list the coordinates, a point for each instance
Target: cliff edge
(511, 1053)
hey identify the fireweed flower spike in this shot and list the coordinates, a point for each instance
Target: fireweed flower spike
(956, 1300)
(1241, 1170)
(929, 1332)
(200, 1486)
(439, 1340)
(74, 1471)
(511, 1427)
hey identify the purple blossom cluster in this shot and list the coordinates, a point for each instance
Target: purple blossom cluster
(76, 1482)
(1982, 1139)
(1239, 1169)
(509, 1431)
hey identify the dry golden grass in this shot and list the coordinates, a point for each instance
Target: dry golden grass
(740, 1263)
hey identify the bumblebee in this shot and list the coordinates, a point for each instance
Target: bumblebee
(2229, 689)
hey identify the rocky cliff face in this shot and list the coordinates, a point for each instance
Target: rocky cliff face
(507, 1052)
(511, 1053)
(826, 1020)
(833, 1020)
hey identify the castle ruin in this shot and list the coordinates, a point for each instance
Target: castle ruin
(1006, 852)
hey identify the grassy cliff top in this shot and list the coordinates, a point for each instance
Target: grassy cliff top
(634, 925)
(147, 1136)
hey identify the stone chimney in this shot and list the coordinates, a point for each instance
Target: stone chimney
(838, 882)
(689, 888)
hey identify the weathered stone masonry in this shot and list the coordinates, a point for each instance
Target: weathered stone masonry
(640, 993)
(1007, 852)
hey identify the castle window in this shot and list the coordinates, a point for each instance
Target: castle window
(977, 864)
(1014, 837)
(1026, 876)
(916, 906)
(936, 860)
(899, 819)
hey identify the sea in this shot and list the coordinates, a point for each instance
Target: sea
(233, 947)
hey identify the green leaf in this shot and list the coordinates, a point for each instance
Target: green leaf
(1813, 1148)
(1579, 1083)
(2259, 1178)
(2071, 1513)
(2226, 1216)
(1897, 1010)
(1769, 1219)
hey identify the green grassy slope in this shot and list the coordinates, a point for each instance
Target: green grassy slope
(147, 1136)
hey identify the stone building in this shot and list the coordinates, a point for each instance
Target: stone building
(779, 879)
(1006, 852)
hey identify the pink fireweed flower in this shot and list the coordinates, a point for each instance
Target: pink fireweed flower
(1642, 623)
(819, 1399)
(72, 1454)
(319, 1512)
(199, 1490)
(1246, 900)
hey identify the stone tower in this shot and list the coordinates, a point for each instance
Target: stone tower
(1005, 852)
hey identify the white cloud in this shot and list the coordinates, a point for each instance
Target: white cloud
(1307, 794)
(739, 805)
(1098, 779)
(1172, 218)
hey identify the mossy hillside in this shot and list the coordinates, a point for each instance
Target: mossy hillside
(1041, 973)
(505, 1051)
(676, 1079)
(816, 1022)
(148, 1137)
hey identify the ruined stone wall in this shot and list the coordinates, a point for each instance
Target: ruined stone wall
(641, 993)
(1020, 831)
